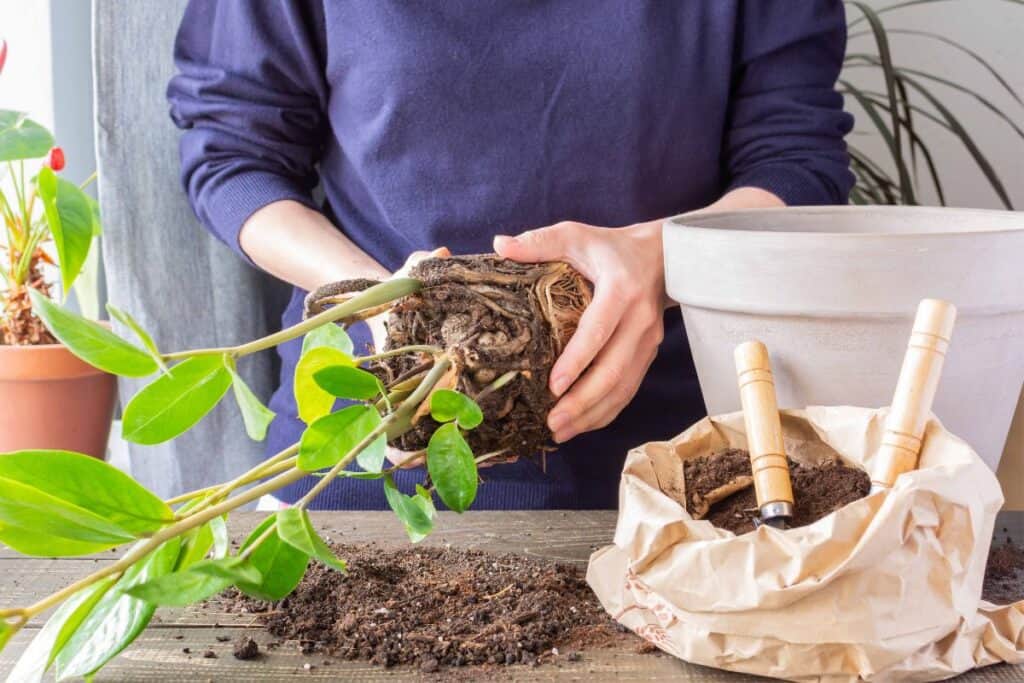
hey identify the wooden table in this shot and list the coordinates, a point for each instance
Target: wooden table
(568, 536)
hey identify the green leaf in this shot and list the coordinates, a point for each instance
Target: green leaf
(416, 512)
(202, 580)
(22, 138)
(117, 619)
(92, 342)
(59, 628)
(256, 416)
(143, 336)
(331, 336)
(333, 436)
(349, 382)
(281, 565)
(451, 467)
(173, 403)
(447, 405)
(295, 528)
(61, 503)
(6, 632)
(312, 400)
(70, 219)
(219, 527)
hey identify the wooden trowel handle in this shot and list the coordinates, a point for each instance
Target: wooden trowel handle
(764, 429)
(915, 392)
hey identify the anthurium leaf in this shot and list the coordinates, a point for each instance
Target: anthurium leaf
(447, 405)
(330, 438)
(21, 137)
(59, 628)
(348, 382)
(173, 403)
(143, 336)
(202, 580)
(416, 512)
(70, 219)
(295, 528)
(312, 400)
(331, 336)
(256, 416)
(92, 342)
(117, 619)
(281, 565)
(62, 503)
(452, 467)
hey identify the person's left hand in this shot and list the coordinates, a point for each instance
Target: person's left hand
(618, 334)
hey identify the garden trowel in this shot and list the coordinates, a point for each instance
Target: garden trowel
(915, 392)
(764, 434)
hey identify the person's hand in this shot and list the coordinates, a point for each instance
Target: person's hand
(376, 323)
(603, 364)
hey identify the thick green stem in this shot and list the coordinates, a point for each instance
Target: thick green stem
(374, 296)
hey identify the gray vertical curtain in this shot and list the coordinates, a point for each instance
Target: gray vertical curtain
(161, 266)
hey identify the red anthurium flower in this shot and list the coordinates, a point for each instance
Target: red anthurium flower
(55, 160)
(3, 54)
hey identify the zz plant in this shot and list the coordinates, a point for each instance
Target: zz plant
(57, 503)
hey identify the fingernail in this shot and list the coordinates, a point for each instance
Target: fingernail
(562, 437)
(559, 385)
(503, 241)
(557, 421)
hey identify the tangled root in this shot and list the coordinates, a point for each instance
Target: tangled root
(502, 323)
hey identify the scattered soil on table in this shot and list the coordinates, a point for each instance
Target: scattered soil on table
(1004, 573)
(493, 317)
(818, 490)
(436, 607)
(246, 648)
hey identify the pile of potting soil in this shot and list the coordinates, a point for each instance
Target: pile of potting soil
(1004, 573)
(818, 490)
(438, 607)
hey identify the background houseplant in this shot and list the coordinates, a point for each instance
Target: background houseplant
(48, 224)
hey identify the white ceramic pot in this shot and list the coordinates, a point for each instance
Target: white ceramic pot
(832, 291)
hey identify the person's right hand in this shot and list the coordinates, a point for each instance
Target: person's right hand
(376, 323)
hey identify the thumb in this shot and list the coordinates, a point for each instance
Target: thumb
(532, 246)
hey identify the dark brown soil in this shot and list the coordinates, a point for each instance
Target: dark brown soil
(246, 648)
(493, 317)
(1004, 573)
(817, 490)
(440, 607)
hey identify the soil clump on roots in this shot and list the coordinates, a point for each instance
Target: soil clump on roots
(503, 324)
(719, 488)
(435, 607)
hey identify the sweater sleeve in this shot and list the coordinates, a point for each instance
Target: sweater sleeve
(786, 125)
(250, 95)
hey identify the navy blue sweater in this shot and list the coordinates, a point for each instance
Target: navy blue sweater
(445, 123)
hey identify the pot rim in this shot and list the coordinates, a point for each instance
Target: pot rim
(710, 221)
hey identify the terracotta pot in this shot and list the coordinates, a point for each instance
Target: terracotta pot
(832, 291)
(51, 399)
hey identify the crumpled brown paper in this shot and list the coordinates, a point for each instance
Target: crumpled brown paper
(885, 589)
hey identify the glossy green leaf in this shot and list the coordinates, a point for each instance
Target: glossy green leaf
(21, 137)
(6, 632)
(295, 528)
(219, 527)
(172, 403)
(447, 405)
(70, 219)
(281, 565)
(117, 619)
(195, 546)
(256, 416)
(312, 400)
(415, 512)
(349, 382)
(452, 467)
(202, 580)
(333, 436)
(61, 503)
(92, 342)
(331, 336)
(57, 631)
(143, 336)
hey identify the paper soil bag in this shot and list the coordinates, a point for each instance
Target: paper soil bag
(885, 589)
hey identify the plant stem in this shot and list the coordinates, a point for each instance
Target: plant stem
(374, 296)
(88, 181)
(268, 467)
(413, 348)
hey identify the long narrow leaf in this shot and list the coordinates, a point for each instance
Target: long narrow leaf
(891, 140)
(910, 3)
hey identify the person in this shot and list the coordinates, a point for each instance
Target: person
(548, 130)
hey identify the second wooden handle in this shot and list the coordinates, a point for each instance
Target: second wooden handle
(764, 429)
(915, 391)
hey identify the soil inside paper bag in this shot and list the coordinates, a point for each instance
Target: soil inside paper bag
(819, 488)
(1004, 573)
